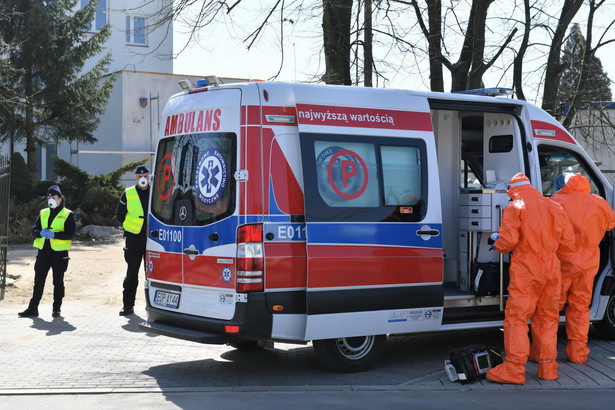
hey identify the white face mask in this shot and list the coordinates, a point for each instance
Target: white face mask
(52, 203)
(143, 182)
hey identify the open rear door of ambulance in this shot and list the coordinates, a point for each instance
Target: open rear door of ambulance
(373, 221)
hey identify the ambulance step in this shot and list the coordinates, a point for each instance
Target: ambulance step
(476, 314)
(183, 333)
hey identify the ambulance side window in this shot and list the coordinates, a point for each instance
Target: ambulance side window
(347, 175)
(364, 178)
(401, 175)
(555, 161)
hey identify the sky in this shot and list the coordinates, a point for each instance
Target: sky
(222, 52)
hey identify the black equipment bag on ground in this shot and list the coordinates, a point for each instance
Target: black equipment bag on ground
(485, 279)
(472, 362)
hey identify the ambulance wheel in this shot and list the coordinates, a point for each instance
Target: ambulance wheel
(607, 325)
(349, 354)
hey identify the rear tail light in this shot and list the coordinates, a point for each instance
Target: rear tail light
(250, 263)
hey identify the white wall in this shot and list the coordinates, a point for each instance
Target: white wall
(141, 72)
(155, 55)
(126, 126)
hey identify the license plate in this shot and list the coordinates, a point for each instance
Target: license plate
(166, 299)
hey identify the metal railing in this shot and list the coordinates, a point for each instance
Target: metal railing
(5, 190)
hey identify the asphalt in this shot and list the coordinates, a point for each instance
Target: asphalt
(93, 350)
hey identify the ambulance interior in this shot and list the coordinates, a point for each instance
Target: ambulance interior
(476, 158)
(478, 152)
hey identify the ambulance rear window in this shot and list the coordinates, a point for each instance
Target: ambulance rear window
(194, 182)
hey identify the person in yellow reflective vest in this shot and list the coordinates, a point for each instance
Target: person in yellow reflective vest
(54, 228)
(131, 212)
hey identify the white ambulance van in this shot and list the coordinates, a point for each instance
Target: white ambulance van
(340, 215)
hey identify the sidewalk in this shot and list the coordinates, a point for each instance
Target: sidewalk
(97, 351)
(91, 349)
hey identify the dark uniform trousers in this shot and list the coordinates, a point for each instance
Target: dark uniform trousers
(134, 253)
(58, 262)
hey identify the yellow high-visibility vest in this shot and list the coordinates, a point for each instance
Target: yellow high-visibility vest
(134, 217)
(57, 225)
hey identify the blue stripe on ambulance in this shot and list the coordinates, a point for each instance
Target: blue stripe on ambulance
(379, 234)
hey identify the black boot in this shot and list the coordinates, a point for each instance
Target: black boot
(127, 311)
(55, 310)
(29, 312)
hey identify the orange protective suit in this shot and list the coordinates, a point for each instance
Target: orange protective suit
(590, 216)
(534, 228)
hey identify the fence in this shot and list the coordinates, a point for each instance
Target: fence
(5, 189)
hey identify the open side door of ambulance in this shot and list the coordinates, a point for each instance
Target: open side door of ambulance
(373, 220)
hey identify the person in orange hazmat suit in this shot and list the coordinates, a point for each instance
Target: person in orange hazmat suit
(591, 216)
(534, 228)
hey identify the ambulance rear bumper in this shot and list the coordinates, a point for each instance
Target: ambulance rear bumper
(183, 333)
(251, 322)
(185, 327)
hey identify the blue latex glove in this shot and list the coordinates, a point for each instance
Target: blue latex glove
(46, 233)
(493, 239)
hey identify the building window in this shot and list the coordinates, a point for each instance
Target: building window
(45, 160)
(100, 17)
(135, 30)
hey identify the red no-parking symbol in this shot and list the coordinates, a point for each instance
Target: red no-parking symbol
(352, 166)
(166, 176)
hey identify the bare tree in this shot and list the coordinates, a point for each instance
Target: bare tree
(467, 72)
(367, 44)
(336, 21)
(434, 41)
(589, 57)
(554, 67)
(523, 47)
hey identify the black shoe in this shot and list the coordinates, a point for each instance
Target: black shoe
(127, 311)
(55, 313)
(29, 312)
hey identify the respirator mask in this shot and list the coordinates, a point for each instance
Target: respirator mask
(52, 203)
(143, 182)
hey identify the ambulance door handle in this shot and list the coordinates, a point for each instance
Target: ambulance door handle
(154, 234)
(431, 232)
(189, 251)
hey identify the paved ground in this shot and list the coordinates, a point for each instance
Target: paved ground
(93, 350)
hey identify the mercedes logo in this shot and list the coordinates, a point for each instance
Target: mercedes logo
(183, 212)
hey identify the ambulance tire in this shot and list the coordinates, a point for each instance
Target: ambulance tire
(606, 326)
(349, 354)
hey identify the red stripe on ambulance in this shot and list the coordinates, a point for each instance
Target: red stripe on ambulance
(286, 189)
(328, 115)
(250, 115)
(372, 266)
(251, 159)
(165, 267)
(560, 133)
(206, 271)
(286, 267)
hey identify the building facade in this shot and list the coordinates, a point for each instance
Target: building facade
(143, 64)
(594, 128)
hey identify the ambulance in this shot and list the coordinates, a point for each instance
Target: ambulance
(338, 215)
